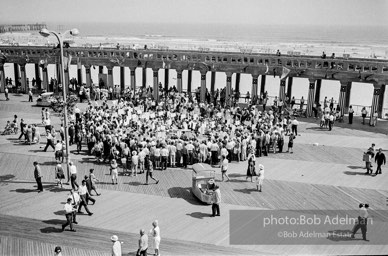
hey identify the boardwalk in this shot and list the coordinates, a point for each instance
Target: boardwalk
(325, 177)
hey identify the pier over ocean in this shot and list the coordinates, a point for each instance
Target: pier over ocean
(372, 72)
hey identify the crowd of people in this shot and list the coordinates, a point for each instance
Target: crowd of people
(139, 135)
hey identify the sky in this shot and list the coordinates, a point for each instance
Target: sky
(257, 12)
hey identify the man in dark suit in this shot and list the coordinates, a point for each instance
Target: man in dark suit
(89, 187)
(22, 128)
(71, 134)
(380, 160)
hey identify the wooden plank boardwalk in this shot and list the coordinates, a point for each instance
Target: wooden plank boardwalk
(25, 236)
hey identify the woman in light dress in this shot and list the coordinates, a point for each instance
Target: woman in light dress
(155, 233)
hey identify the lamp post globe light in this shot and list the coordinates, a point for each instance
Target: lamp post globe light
(74, 32)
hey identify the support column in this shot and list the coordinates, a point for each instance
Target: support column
(212, 83)
(238, 78)
(58, 72)
(347, 98)
(79, 75)
(16, 73)
(189, 79)
(89, 76)
(318, 91)
(289, 87)
(228, 87)
(203, 86)
(37, 76)
(383, 101)
(23, 78)
(310, 97)
(2, 78)
(342, 96)
(110, 78)
(254, 86)
(133, 78)
(122, 79)
(380, 106)
(179, 80)
(45, 78)
(262, 86)
(156, 84)
(166, 79)
(144, 77)
(282, 90)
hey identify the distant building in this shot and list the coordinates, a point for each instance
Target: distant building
(22, 27)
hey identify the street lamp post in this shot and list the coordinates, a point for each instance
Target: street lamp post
(45, 32)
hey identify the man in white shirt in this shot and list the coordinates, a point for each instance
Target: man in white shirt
(83, 193)
(59, 151)
(73, 175)
(362, 221)
(214, 151)
(190, 151)
(172, 151)
(164, 154)
(69, 215)
(331, 121)
(143, 244)
(294, 126)
(50, 141)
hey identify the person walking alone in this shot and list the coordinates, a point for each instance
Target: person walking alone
(116, 247)
(50, 141)
(30, 96)
(380, 160)
(149, 169)
(83, 193)
(73, 175)
(38, 177)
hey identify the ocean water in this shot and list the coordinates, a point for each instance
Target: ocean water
(373, 38)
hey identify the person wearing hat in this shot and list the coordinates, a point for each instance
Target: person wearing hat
(58, 251)
(38, 176)
(260, 178)
(116, 247)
